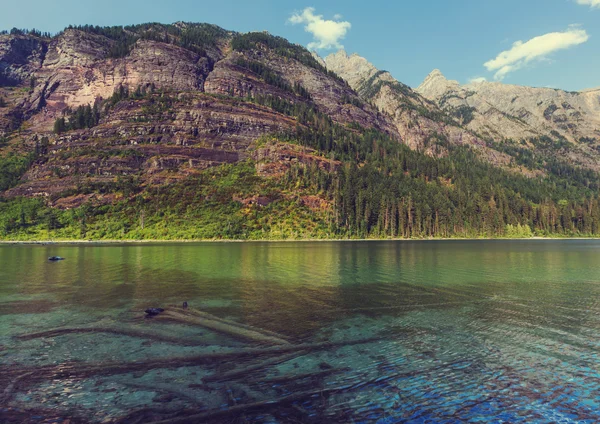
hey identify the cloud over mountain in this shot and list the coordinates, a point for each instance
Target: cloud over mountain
(327, 33)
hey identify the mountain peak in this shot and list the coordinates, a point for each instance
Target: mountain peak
(436, 83)
(354, 68)
(436, 73)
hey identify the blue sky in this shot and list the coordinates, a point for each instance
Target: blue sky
(560, 38)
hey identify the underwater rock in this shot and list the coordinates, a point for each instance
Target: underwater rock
(55, 258)
(154, 311)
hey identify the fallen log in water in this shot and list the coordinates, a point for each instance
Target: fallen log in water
(254, 367)
(110, 330)
(202, 314)
(222, 327)
(78, 370)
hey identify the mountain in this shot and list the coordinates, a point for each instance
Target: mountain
(484, 114)
(193, 131)
(511, 111)
(418, 120)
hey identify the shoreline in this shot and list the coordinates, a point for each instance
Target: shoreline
(171, 241)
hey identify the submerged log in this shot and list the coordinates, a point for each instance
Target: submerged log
(202, 314)
(221, 327)
(118, 331)
(240, 372)
(78, 370)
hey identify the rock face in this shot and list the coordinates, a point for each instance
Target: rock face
(354, 68)
(198, 115)
(510, 111)
(20, 56)
(77, 71)
(330, 95)
(436, 85)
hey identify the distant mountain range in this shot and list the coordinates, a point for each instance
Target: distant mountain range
(192, 131)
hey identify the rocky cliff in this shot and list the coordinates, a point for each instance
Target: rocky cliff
(195, 111)
(500, 111)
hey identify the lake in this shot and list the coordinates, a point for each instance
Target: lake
(386, 332)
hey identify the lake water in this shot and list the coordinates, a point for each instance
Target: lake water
(436, 331)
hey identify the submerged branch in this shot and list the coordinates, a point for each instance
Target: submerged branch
(109, 330)
(78, 370)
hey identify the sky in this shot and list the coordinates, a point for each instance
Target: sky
(541, 43)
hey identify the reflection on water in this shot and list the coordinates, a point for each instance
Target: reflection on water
(379, 332)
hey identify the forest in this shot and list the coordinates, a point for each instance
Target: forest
(382, 189)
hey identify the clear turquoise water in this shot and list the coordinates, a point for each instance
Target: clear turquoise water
(478, 331)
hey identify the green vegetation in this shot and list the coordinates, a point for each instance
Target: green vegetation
(463, 113)
(272, 78)
(518, 231)
(546, 157)
(587, 140)
(12, 167)
(409, 100)
(34, 32)
(124, 40)
(381, 189)
(352, 100)
(281, 47)
(195, 37)
(200, 207)
(82, 117)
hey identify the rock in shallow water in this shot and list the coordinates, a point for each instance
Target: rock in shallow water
(154, 311)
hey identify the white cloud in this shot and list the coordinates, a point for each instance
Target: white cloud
(591, 3)
(327, 34)
(537, 48)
